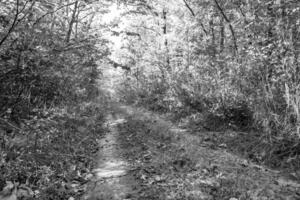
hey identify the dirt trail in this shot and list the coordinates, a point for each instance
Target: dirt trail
(112, 175)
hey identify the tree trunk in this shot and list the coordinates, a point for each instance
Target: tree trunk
(73, 19)
(213, 38)
(222, 35)
(229, 24)
(167, 57)
(77, 21)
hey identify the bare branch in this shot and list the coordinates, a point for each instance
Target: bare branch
(190, 9)
(49, 13)
(203, 28)
(27, 12)
(10, 30)
(229, 23)
(194, 15)
(10, 124)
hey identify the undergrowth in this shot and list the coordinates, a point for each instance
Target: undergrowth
(50, 156)
(269, 139)
(172, 163)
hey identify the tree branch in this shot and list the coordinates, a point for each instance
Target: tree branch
(16, 19)
(194, 15)
(10, 124)
(229, 23)
(68, 36)
(30, 8)
(188, 7)
(13, 24)
(49, 13)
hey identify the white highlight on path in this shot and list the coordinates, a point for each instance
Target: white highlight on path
(111, 169)
(116, 122)
(111, 164)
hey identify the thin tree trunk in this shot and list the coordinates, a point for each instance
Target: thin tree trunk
(165, 39)
(68, 8)
(73, 19)
(222, 35)
(188, 49)
(213, 37)
(76, 27)
(229, 23)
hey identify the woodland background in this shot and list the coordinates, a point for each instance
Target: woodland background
(218, 64)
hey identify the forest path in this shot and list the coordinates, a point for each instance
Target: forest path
(112, 180)
(144, 156)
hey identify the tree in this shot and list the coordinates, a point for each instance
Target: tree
(36, 67)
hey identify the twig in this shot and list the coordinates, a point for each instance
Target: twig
(10, 124)
(79, 143)
(59, 8)
(27, 12)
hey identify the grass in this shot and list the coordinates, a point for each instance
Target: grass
(186, 165)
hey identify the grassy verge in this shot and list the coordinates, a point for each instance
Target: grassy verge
(173, 164)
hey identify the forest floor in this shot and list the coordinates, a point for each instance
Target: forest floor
(145, 156)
